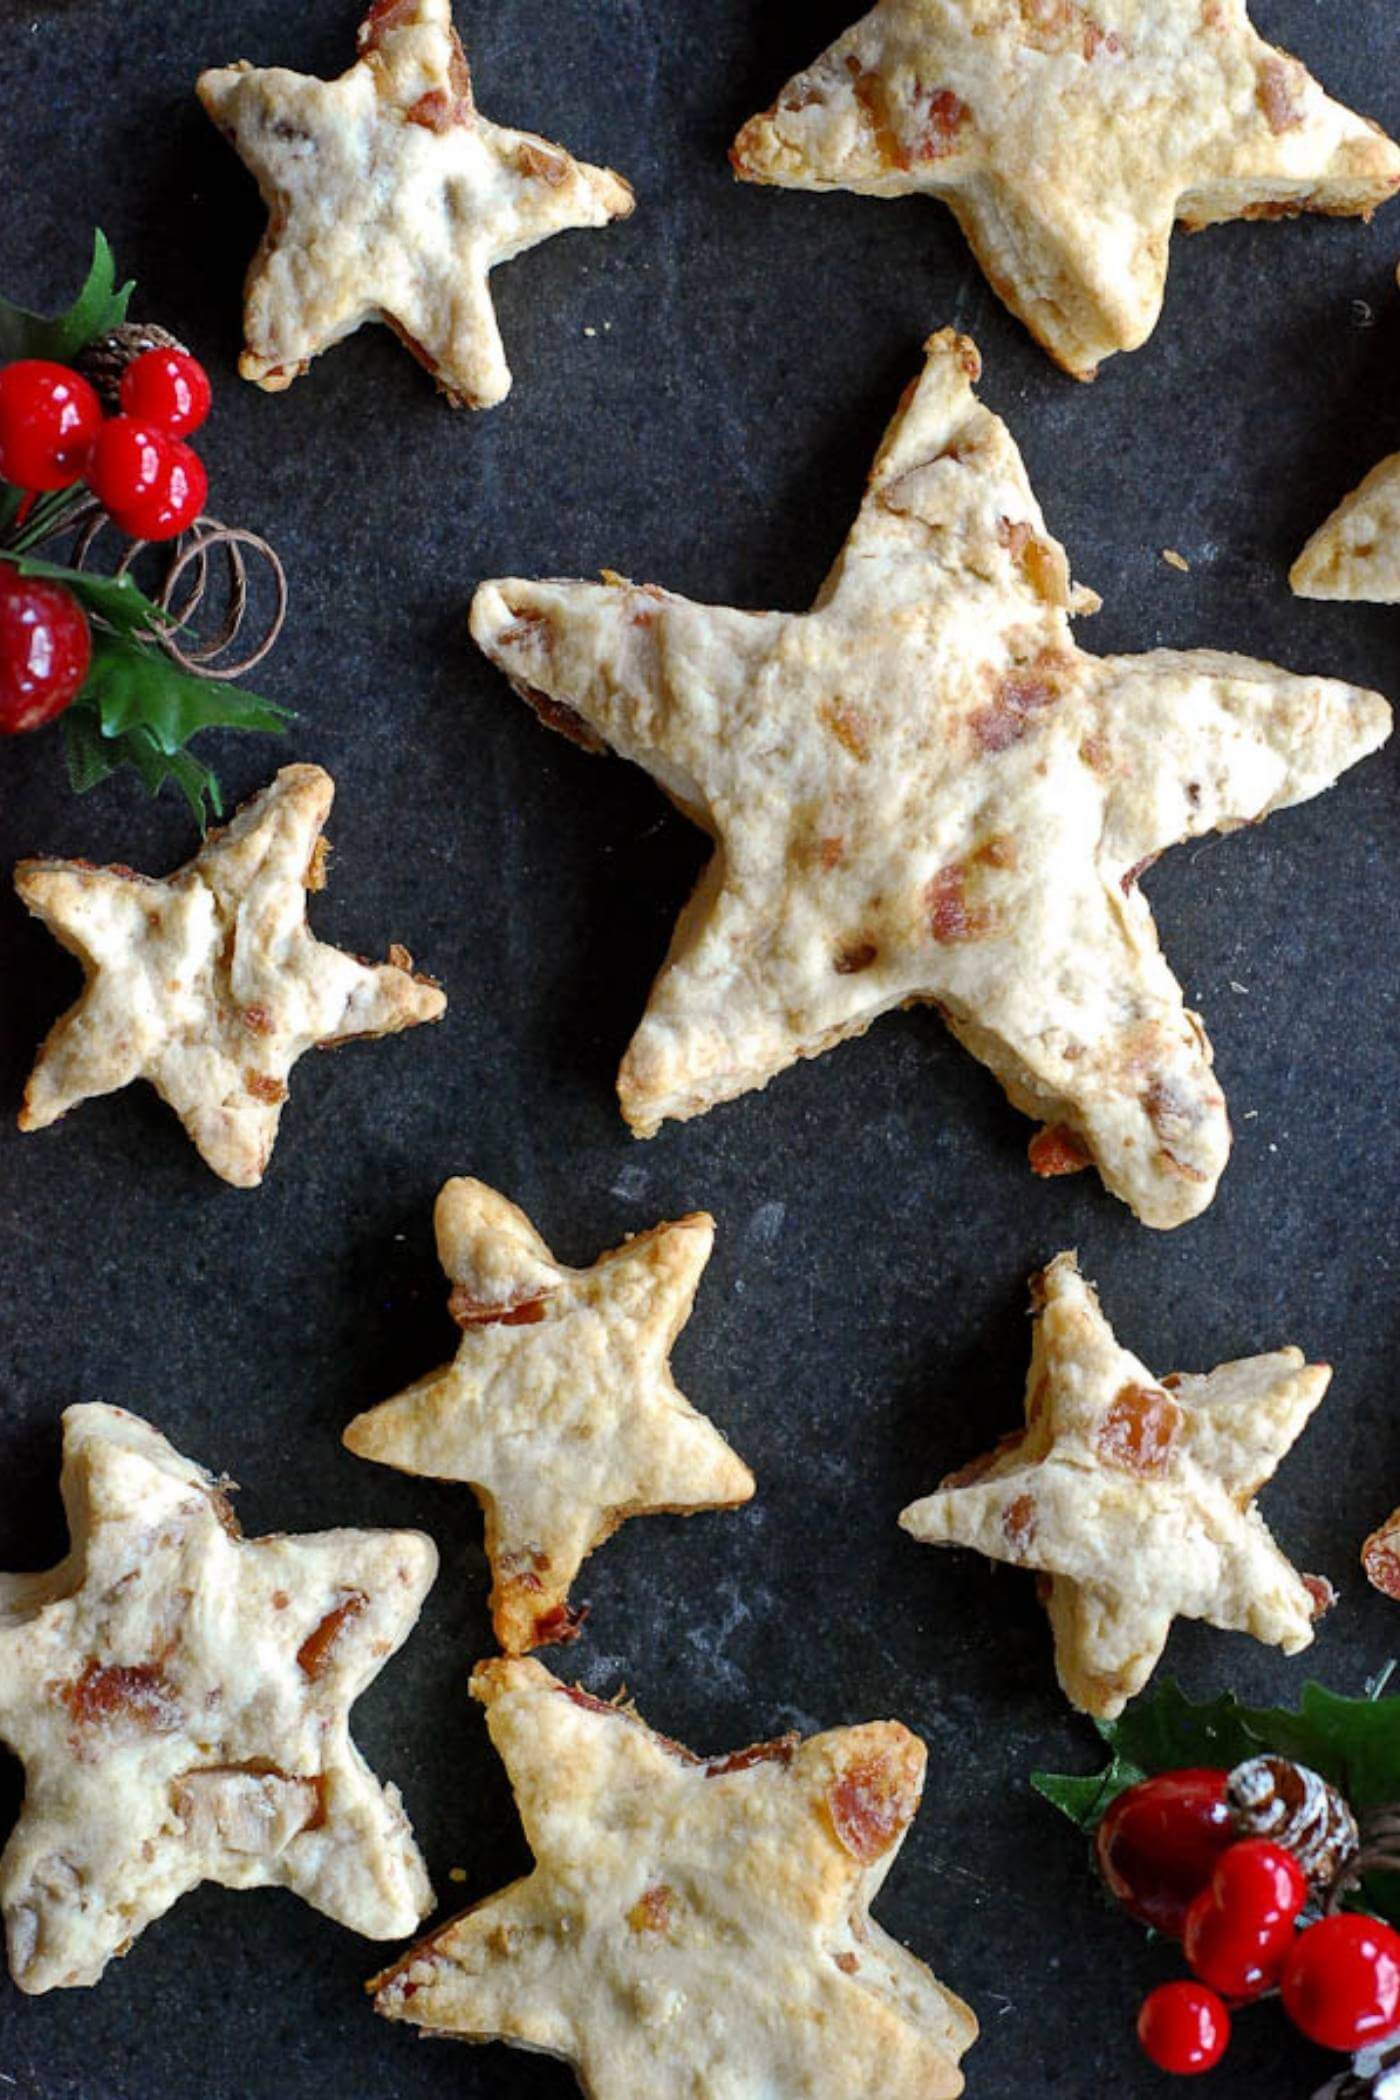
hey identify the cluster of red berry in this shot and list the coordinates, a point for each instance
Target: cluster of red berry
(1169, 1851)
(151, 483)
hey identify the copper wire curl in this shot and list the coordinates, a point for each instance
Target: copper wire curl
(1379, 1854)
(192, 552)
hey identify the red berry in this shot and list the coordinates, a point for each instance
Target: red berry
(151, 484)
(1237, 1959)
(182, 494)
(45, 650)
(49, 417)
(128, 465)
(1183, 2027)
(1341, 1985)
(1159, 1841)
(1259, 1884)
(168, 388)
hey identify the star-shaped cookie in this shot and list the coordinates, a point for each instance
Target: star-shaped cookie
(923, 790)
(210, 984)
(560, 1409)
(692, 1926)
(1067, 136)
(1134, 1497)
(180, 1699)
(391, 198)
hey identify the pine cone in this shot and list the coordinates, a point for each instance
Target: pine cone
(1271, 1797)
(107, 357)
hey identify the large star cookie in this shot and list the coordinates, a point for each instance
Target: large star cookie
(560, 1408)
(210, 984)
(180, 1699)
(1134, 1497)
(1067, 138)
(692, 1926)
(923, 790)
(391, 198)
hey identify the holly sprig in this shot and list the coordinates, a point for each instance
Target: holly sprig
(99, 308)
(1354, 1743)
(137, 708)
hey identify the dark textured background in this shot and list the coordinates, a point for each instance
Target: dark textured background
(698, 395)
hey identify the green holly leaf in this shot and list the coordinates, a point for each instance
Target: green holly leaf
(99, 307)
(1354, 1743)
(1084, 1800)
(139, 709)
(114, 599)
(133, 684)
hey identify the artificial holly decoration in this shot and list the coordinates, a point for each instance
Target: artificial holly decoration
(1250, 1866)
(88, 398)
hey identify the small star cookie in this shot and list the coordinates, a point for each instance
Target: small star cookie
(692, 1926)
(560, 1409)
(180, 1699)
(391, 198)
(1134, 1497)
(210, 984)
(924, 790)
(1067, 136)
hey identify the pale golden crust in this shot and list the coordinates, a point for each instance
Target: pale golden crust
(693, 1927)
(560, 1409)
(1067, 135)
(180, 1698)
(1134, 1497)
(209, 984)
(924, 790)
(390, 197)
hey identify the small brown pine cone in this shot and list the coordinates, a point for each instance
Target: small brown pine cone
(104, 359)
(1271, 1797)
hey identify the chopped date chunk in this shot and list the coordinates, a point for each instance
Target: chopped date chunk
(1277, 92)
(1058, 1150)
(780, 1751)
(544, 167)
(978, 1468)
(558, 1625)
(871, 1804)
(470, 1311)
(1139, 1432)
(317, 1651)
(951, 918)
(1018, 1524)
(137, 1694)
(653, 1910)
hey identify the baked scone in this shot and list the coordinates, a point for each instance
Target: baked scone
(1134, 1497)
(180, 1699)
(692, 1926)
(1066, 136)
(923, 790)
(210, 984)
(391, 198)
(560, 1409)
(1356, 554)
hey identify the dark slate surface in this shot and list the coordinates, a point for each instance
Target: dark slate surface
(698, 394)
